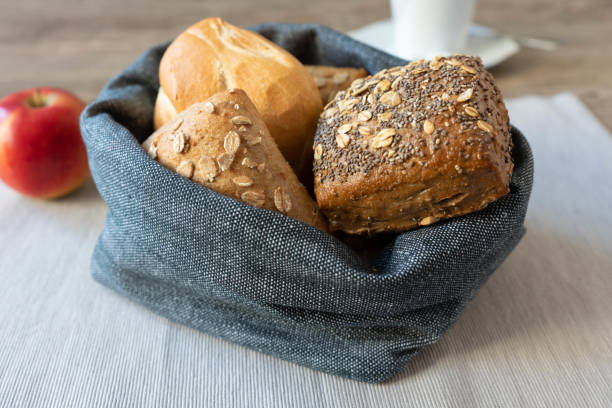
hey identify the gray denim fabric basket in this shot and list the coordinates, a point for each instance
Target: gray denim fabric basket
(269, 282)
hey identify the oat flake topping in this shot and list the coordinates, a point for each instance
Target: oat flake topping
(403, 115)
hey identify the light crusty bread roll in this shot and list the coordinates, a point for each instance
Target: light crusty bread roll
(164, 110)
(224, 145)
(213, 55)
(331, 80)
(411, 146)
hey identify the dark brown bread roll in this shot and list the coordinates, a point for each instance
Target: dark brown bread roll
(411, 146)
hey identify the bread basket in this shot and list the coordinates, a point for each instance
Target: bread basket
(263, 280)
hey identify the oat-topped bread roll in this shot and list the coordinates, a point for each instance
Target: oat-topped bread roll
(224, 145)
(412, 145)
(213, 55)
(331, 80)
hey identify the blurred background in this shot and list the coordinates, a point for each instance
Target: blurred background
(79, 45)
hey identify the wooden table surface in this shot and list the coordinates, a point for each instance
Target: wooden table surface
(79, 45)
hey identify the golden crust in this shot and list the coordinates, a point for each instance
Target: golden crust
(223, 144)
(164, 110)
(212, 55)
(411, 146)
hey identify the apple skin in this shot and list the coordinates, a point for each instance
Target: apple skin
(42, 154)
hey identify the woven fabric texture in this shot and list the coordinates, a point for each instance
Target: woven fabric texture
(266, 281)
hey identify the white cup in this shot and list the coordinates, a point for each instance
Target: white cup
(425, 28)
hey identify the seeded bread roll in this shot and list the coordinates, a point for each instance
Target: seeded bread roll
(411, 146)
(331, 80)
(213, 55)
(224, 145)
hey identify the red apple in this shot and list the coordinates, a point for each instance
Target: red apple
(42, 154)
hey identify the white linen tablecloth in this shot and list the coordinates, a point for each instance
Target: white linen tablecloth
(538, 334)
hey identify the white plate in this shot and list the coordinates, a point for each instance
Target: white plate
(492, 47)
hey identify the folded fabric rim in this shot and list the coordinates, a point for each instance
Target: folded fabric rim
(267, 281)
